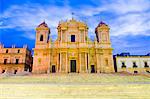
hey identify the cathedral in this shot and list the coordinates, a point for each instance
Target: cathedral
(73, 51)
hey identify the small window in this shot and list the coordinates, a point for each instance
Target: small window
(18, 51)
(123, 65)
(145, 65)
(15, 71)
(72, 38)
(135, 72)
(3, 71)
(106, 62)
(17, 61)
(147, 71)
(134, 65)
(5, 61)
(41, 38)
(7, 51)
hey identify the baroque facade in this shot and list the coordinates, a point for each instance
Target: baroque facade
(132, 63)
(73, 51)
(15, 60)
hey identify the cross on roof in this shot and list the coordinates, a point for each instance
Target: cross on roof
(72, 14)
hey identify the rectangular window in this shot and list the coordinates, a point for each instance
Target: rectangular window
(15, 71)
(17, 61)
(3, 71)
(145, 64)
(18, 51)
(41, 38)
(135, 72)
(5, 61)
(134, 65)
(72, 38)
(7, 51)
(123, 65)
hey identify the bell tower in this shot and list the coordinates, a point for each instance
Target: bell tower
(42, 35)
(104, 51)
(41, 57)
(102, 33)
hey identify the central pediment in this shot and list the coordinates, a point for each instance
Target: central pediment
(72, 24)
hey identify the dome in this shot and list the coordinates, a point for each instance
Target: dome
(43, 24)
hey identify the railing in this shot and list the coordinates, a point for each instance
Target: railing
(11, 63)
(78, 45)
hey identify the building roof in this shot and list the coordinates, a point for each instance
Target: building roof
(43, 24)
(101, 23)
(128, 54)
(72, 22)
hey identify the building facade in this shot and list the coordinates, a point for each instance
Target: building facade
(73, 51)
(15, 60)
(132, 63)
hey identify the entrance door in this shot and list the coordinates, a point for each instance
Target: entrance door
(135, 72)
(92, 69)
(53, 69)
(73, 65)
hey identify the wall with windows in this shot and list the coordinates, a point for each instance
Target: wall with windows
(14, 60)
(73, 51)
(133, 64)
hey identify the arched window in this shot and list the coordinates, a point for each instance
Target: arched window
(106, 62)
(7, 51)
(104, 37)
(41, 38)
(18, 51)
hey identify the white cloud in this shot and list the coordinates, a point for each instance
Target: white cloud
(126, 6)
(27, 17)
(131, 24)
(130, 19)
(123, 6)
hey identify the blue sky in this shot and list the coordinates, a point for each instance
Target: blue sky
(129, 20)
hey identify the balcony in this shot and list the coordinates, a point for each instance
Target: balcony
(123, 66)
(146, 66)
(135, 66)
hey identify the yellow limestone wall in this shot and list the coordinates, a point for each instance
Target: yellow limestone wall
(60, 52)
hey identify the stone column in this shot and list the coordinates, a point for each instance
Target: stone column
(101, 63)
(80, 61)
(80, 36)
(68, 65)
(88, 62)
(60, 63)
(66, 37)
(85, 62)
(49, 63)
(97, 61)
(57, 62)
(61, 35)
(66, 62)
(84, 36)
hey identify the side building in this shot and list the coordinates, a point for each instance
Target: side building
(15, 60)
(125, 62)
